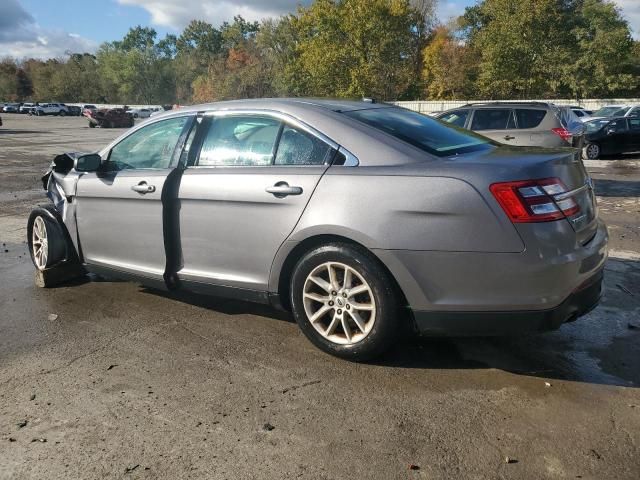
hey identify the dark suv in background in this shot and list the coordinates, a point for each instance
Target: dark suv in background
(523, 124)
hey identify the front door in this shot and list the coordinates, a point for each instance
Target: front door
(120, 207)
(252, 180)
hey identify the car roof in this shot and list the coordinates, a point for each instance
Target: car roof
(286, 104)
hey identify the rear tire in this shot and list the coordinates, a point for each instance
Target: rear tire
(344, 301)
(591, 151)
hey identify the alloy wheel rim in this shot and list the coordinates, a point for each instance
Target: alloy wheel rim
(40, 243)
(592, 151)
(339, 303)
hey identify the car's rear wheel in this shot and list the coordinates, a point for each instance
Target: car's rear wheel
(591, 151)
(344, 301)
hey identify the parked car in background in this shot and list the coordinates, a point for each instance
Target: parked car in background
(607, 136)
(74, 110)
(271, 201)
(27, 107)
(617, 111)
(11, 107)
(581, 113)
(523, 124)
(51, 109)
(88, 108)
(139, 112)
(110, 118)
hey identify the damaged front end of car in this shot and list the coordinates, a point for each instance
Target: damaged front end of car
(52, 231)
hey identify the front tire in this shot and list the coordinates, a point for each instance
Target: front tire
(344, 301)
(62, 113)
(46, 240)
(591, 151)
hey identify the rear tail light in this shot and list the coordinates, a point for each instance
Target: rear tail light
(531, 201)
(563, 133)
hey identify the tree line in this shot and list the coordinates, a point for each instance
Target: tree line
(387, 49)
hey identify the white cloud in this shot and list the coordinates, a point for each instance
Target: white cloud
(22, 37)
(631, 11)
(178, 14)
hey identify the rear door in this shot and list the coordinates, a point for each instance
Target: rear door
(248, 186)
(495, 123)
(120, 208)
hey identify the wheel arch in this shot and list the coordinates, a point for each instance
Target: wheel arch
(280, 279)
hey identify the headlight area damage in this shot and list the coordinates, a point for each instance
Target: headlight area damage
(51, 229)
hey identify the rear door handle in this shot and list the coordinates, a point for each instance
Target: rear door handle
(282, 189)
(143, 188)
(508, 137)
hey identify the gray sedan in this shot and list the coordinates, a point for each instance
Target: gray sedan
(361, 218)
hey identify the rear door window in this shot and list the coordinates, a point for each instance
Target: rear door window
(634, 124)
(239, 141)
(529, 118)
(297, 147)
(493, 119)
(457, 117)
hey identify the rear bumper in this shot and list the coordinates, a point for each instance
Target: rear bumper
(580, 302)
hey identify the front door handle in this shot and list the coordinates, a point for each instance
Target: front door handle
(143, 188)
(508, 137)
(282, 189)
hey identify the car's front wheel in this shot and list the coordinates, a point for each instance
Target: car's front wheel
(46, 240)
(62, 113)
(344, 301)
(591, 151)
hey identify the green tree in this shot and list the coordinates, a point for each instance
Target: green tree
(449, 66)
(603, 62)
(523, 44)
(355, 48)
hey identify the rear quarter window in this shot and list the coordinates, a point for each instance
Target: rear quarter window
(457, 117)
(529, 118)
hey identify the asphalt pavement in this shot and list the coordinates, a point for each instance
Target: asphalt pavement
(107, 379)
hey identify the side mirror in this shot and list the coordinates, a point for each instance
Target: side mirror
(88, 163)
(610, 130)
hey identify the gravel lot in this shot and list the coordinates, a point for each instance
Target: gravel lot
(104, 379)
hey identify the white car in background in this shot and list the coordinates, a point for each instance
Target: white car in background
(51, 109)
(26, 107)
(139, 112)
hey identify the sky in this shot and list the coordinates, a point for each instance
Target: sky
(49, 28)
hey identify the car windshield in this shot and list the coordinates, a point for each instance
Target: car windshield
(595, 125)
(428, 134)
(610, 112)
